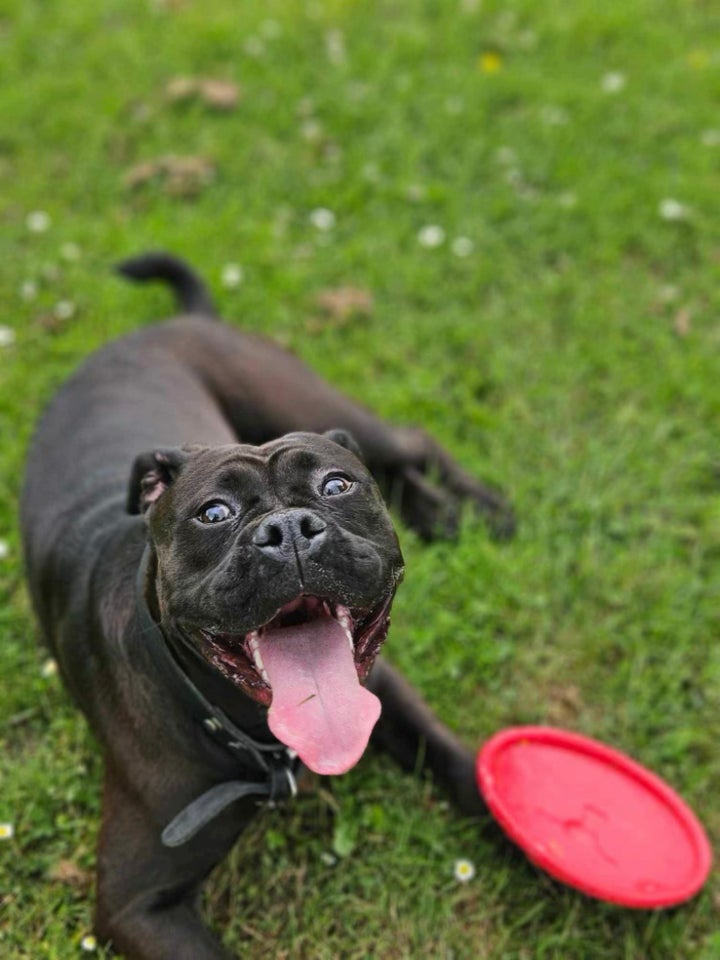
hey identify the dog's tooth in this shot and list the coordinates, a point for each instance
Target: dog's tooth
(254, 646)
(345, 620)
(261, 667)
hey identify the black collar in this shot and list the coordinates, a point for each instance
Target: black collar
(274, 764)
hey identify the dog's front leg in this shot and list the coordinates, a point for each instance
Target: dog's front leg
(427, 485)
(147, 894)
(414, 737)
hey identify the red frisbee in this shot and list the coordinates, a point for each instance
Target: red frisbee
(593, 818)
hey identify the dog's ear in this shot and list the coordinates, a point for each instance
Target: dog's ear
(152, 474)
(345, 439)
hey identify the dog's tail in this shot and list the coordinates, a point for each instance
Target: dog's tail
(192, 294)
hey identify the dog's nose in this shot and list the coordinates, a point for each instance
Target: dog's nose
(290, 532)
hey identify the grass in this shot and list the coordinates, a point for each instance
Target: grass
(572, 357)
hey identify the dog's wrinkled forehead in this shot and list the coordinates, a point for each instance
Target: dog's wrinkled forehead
(282, 466)
(176, 481)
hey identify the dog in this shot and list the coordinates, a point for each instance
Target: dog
(212, 564)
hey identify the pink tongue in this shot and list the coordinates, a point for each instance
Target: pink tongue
(319, 708)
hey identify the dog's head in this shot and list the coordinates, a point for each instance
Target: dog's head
(268, 559)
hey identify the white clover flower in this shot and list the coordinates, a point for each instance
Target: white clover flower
(254, 47)
(4, 549)
(372, 173)
(506, 156)
(431, 236)
(311, 129)
(673, 210)
(50, 272)
(305, 107)
(668, 292)
(527, 40)
(64, 309)
(335, 47)
(329, 859)
(38, 221)
(462, 246)
(70, 252)
(28, 290)
(357, 91)
(88, 943)
(463, 870)
(49, 669)
(612, 82)
(322, 219)
(553, 116)
(232, 276)
(7, 831)
(7, 336)
(270, 29)
(416, 192)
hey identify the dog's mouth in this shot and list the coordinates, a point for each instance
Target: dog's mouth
(307, 664)
(240, 658)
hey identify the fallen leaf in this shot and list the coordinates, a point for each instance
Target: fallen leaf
(177, 176)
(681, 323)
(341, 303)
(564, 704)
(141, 173)
(218, 94)
(70, 874)
(49, 322)
(181, 88)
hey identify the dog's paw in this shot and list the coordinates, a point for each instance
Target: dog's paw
(433, 507)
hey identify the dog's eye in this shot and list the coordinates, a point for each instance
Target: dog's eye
(215, 513)
(335, 485)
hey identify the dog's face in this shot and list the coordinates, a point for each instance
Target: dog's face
(251, 541)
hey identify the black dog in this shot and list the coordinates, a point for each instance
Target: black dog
(216, 618)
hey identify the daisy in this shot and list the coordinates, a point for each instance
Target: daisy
(28, 290)
(462, 246)
(431, 236)
(38, 221)
(64, 310)
(70, 252)
(7, 336)
(232, 276)
(49, 669)
(322, 218)
(464, 870)
(612, 82)
(673, 210)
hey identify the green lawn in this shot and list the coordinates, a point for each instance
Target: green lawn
(565, 347)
